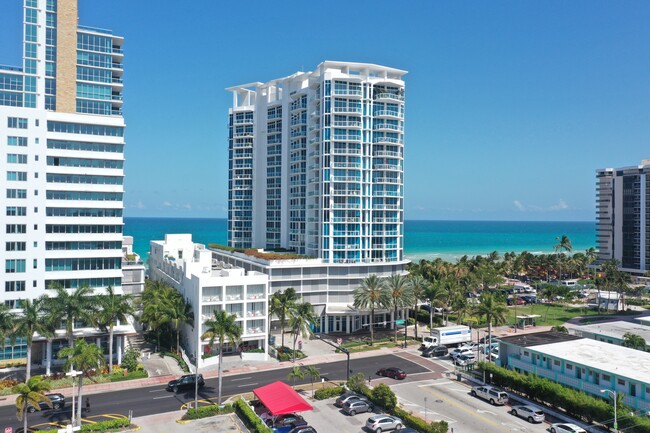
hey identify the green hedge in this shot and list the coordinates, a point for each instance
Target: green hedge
(249, 418)
(100, 427)
(179, 359)
(138, 374)
(574, 402)
(419, 424)
(324, 393)
(288, 355)
(207, 411)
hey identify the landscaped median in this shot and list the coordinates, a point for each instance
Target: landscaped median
(114, 425)
(380, 343)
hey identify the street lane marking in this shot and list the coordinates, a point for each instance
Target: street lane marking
(248, 384)
(241, 378)
(166, 396)
(158, 390)
(428, 410)
(485, 411)
(471, 412)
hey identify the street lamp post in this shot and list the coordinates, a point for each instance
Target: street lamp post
(73, 373)
(615, 395)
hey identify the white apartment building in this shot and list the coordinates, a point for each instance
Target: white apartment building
(61, 159)
(209, 286)
(622, 223)
(317, 167)
(133, 270)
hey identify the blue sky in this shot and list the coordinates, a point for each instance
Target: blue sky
(511, 106)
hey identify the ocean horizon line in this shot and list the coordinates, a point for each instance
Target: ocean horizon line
(409, 219)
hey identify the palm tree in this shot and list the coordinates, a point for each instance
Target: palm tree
(153, 308)
(434, 293)
(634, 341)
(31, 393)
(493, 309)
(179, 311)
(7, 323)
(222, 327)
(281, 305)
(370, 295)
(295, 373)
(418, 289)
(564, 243)
(82, 357)
(29, 322)
(591, 256)
(301, 321)
(399, 295)
(50, 322)
(73, 306)
(113, 308)
(313, 374)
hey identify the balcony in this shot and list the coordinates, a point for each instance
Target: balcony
(345, 206)
(115, 65)
(346, 164)
(346, 109)
(347, 92)
(344, 219)
(386, 180)
(388, 96)
(395, 167)
(389, 113)
(346, 192)
(387, 153)
(386, 207)
(347, 124)
(346, 179)
(388, 126)
(336, 151)
(346, 137)
(392, 140)
(385, 220)
(242, 134)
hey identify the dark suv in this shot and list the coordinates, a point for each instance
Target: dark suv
(434, 351)
(185, 382)
(56, 400)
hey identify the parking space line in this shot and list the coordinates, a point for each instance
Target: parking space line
(248, 384)
(165, 396)
(240, 378)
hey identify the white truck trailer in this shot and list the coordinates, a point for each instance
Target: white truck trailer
(448, 335)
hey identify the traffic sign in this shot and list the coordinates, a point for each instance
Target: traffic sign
(8, 430)
(339, 341)
(399, 322)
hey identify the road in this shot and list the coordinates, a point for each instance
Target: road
(151, 400)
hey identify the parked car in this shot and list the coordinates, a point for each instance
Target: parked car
(380, 423)
(487, 348)
(56, 400)
(513, 301)
(393, 372)
(530, 413)
(529, 299)
(348, 397)
(494, 355)
(287, 420)
(303, 429)
(566, 428)
(490, 393)
(472, 345)
(185, 382)
(465, 359)
(435, 351)
(459, 351)
(357, 406)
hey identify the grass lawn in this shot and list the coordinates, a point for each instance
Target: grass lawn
(552, 314)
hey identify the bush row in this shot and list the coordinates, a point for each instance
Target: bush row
(138, 374)
(381, 395)
(574, 402)
(323, 393)
(288, 355)
(249, 418)
(100, 426)
(179, 359)
(206, 411)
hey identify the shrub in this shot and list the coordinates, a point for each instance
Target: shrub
(8, 383)
(136, 374)
(130, 360)
(357, 383)
(383, 396)
(419, 424)
(249, 418)
(323, 393)
(100, 426)
(207, 411)
(287, 354)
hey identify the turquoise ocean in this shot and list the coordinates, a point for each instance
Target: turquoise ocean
(429, 240)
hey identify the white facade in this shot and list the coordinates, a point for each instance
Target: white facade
(329, 287)
(623, 227)
(316, 164)
(133, 270)
(61, 159)
(210, 286)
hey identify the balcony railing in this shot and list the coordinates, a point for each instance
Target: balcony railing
(387, 153)
(390, 126)
(347, 123)
(346, 109)
(388, 95)
(389, 113)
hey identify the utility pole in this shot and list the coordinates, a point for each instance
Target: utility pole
(342, 349)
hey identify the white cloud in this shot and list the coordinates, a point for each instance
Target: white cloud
(186, 206)
(167, 204)
(522, 207)
(140, 205)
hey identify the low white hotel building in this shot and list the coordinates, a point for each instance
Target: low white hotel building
(209, 286)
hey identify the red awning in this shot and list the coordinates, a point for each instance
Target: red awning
(279, 398)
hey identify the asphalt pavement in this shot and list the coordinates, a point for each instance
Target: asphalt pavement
(150, 400)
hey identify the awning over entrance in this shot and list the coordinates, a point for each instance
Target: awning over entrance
(279, 398)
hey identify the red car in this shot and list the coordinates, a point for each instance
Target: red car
(393, 372)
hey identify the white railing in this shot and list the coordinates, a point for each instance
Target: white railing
(389, 96)
(386, 180)
(336, 164)
(348, 92)
(387, 140)
(347, 123)
(346, 109)
(386, 207)
(389, 113)
(387, 153)
(347, 137)
(386, 167)
(346, 179)
(388, 126)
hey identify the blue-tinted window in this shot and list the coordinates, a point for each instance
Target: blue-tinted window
(30, 33)
(78, 128)
(30, 50)
(94, 59)
(91, 42)
(30, 66)
(11, 99)
(31, 16)
(17, 122)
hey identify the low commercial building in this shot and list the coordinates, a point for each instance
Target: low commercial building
(133, 271)
(329, 287)
(211, 286)
(581, 363)
(612, 332)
